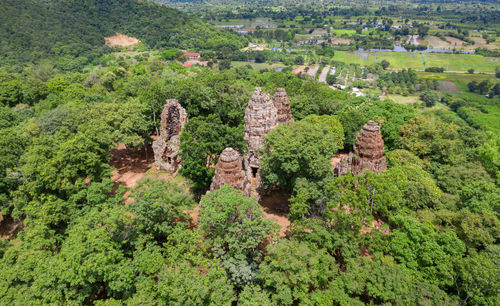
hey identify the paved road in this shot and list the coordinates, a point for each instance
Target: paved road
(324, 73)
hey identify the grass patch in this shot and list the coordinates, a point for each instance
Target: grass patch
(402, 60)
(354, 58)
(339, 32)
(460, 79)
(257, 66)
(403, 100)
(461, 62)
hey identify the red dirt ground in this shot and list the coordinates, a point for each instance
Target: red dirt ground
(8, 226)
(130, 164)
(121, 40)
(133, 164)
(275, 208)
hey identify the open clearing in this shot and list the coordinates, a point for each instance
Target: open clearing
(402, 99)
(121, 40)
(447, 86)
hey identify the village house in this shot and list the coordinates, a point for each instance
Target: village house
(192, 55)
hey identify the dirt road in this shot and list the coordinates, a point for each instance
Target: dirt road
(324, 74)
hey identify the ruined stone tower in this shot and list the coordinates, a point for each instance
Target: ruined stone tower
(229, 170)
(166, 147)
(368, 152)
(260, 118)
(282, 105)
(369, 149)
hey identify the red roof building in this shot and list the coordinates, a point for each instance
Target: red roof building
(192, 55)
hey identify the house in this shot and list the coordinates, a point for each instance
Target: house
(192, 55)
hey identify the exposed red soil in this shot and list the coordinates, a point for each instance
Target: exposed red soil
(299, 70)
(9, 226)
(376, 224)
(121, 40)
(276, 208)
(130, 164)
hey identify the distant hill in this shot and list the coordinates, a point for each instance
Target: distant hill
(34, 29)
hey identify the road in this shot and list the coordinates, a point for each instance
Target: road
(324, 74)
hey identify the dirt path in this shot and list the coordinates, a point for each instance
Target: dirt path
(324, 74)
(423, 62)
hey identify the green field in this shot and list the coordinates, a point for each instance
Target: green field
(402, 99)
(339, 32)
(404, 60)
(461, 62)
(353, 58)
(460, 79)
(257, 66)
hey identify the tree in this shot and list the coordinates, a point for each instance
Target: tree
(301, 149)
(429, 254)
(385, 64)
(484, 87)
(201, 142)
(331, 79)
(473, 86)
(292, 269)
(236, 227)
(225, 64)
(158, 206)
(185, 284)
(477, 276)
(299, 60)
(429, 97)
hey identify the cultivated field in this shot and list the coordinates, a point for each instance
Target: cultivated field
(405, 60)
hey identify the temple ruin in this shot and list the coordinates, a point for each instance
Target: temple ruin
(229, 170)
(282, 105)
(261, 116)
(368, 152)
(166, 146)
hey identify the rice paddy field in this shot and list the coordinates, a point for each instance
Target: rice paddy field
(405, 60)
(460, 79)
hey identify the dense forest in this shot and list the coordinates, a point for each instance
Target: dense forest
(74, 30)
(424, 231)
